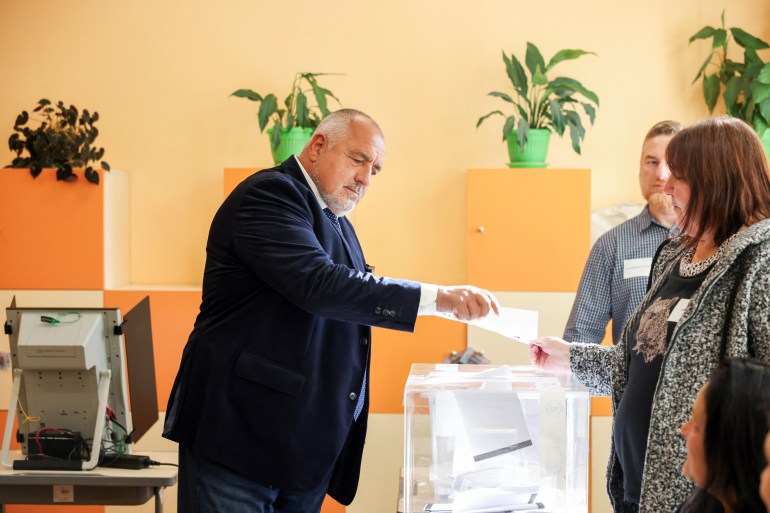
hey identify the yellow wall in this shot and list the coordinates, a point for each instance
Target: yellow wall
(160, 72)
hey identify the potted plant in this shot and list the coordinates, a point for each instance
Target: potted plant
(745, 86)
(542, 105)
(64, 139)
(294, 124)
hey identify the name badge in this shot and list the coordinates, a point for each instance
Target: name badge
(634, 267)
(678, 310)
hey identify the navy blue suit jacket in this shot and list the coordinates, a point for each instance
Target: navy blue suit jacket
(269, 376)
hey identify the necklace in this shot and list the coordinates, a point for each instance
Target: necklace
(688, 269)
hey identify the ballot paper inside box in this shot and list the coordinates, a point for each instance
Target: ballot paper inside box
(494, 438)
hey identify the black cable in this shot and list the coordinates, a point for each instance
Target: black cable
(156, 463)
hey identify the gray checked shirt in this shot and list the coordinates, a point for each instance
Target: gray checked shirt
(614, 280)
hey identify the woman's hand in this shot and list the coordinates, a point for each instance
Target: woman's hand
(550, 353)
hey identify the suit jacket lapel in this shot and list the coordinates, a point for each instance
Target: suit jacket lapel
(349, 239)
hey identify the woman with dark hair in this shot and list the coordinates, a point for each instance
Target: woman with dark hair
(713, 284)
(724, 439)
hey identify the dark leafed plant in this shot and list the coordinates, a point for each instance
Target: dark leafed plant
(64, 140)
(745, 86)
(540, 102)
(297, 112)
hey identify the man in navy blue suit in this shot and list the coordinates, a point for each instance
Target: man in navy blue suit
(270, 403)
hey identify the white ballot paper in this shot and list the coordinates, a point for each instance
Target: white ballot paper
(514, 323)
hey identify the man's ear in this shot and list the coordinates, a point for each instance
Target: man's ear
(315, 146)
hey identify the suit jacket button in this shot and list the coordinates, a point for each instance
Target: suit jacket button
(364, 341)
(377, 310)
(353, 396)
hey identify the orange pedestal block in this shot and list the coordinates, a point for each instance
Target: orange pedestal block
(56, 235)
(528, 229)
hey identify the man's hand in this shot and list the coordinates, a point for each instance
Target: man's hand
(550, 353)
(466, 302)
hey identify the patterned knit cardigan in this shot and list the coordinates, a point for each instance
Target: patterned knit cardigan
(728, 316)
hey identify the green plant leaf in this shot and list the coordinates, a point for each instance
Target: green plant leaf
(557, 119)
(510, 121)
(703, 67)
(522, 111)
(483, 118)
(249, 94)
(732, 90)
(105, 166)
(534, 59)
(764, 109)
(21, 119)
(711, 90)
(720, 38)
(746, 40)
(91, 175)
(267, 108)
(522, 133)
(565, 55)
(320, 97)
(759, 91)
(590, 111)
(502, 96)
(703, 33)
(753, 63)
(538, 77)
(302, 116)
(730, 68)
(516, 74)
(760, 125)
(275, 135)
(576, 130)
(764, 74)
(574, 85)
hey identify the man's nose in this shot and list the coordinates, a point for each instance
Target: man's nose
(364, 176)
(668, 187)
(663, 172)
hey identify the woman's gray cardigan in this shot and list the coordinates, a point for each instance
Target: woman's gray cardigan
(728, 316)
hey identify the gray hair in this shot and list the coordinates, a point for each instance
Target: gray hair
(336, 126)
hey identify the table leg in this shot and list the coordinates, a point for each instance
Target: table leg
(158, 500)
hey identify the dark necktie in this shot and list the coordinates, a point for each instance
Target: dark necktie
(360, 403)
(334, 219)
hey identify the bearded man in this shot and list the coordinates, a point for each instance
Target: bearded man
(614, 280)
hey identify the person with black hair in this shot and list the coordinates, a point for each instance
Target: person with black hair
(724, 439)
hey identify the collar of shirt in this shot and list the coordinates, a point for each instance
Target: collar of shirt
(645, 220)
(312, 185)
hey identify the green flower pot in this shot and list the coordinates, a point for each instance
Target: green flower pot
(292, 142)
(534, 152)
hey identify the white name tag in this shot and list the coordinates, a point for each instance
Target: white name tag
(678, 310)
(634, 267)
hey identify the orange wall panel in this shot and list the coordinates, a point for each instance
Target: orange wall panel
(332, 506)
(51, 232)
(173, 314)
(235, 175)
(522, 233)
(394, 352)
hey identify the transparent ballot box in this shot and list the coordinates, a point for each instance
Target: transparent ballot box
(489, 438)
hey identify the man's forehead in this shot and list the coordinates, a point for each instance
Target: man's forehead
(371, 148)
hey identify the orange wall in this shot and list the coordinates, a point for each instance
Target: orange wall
(60, 251)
